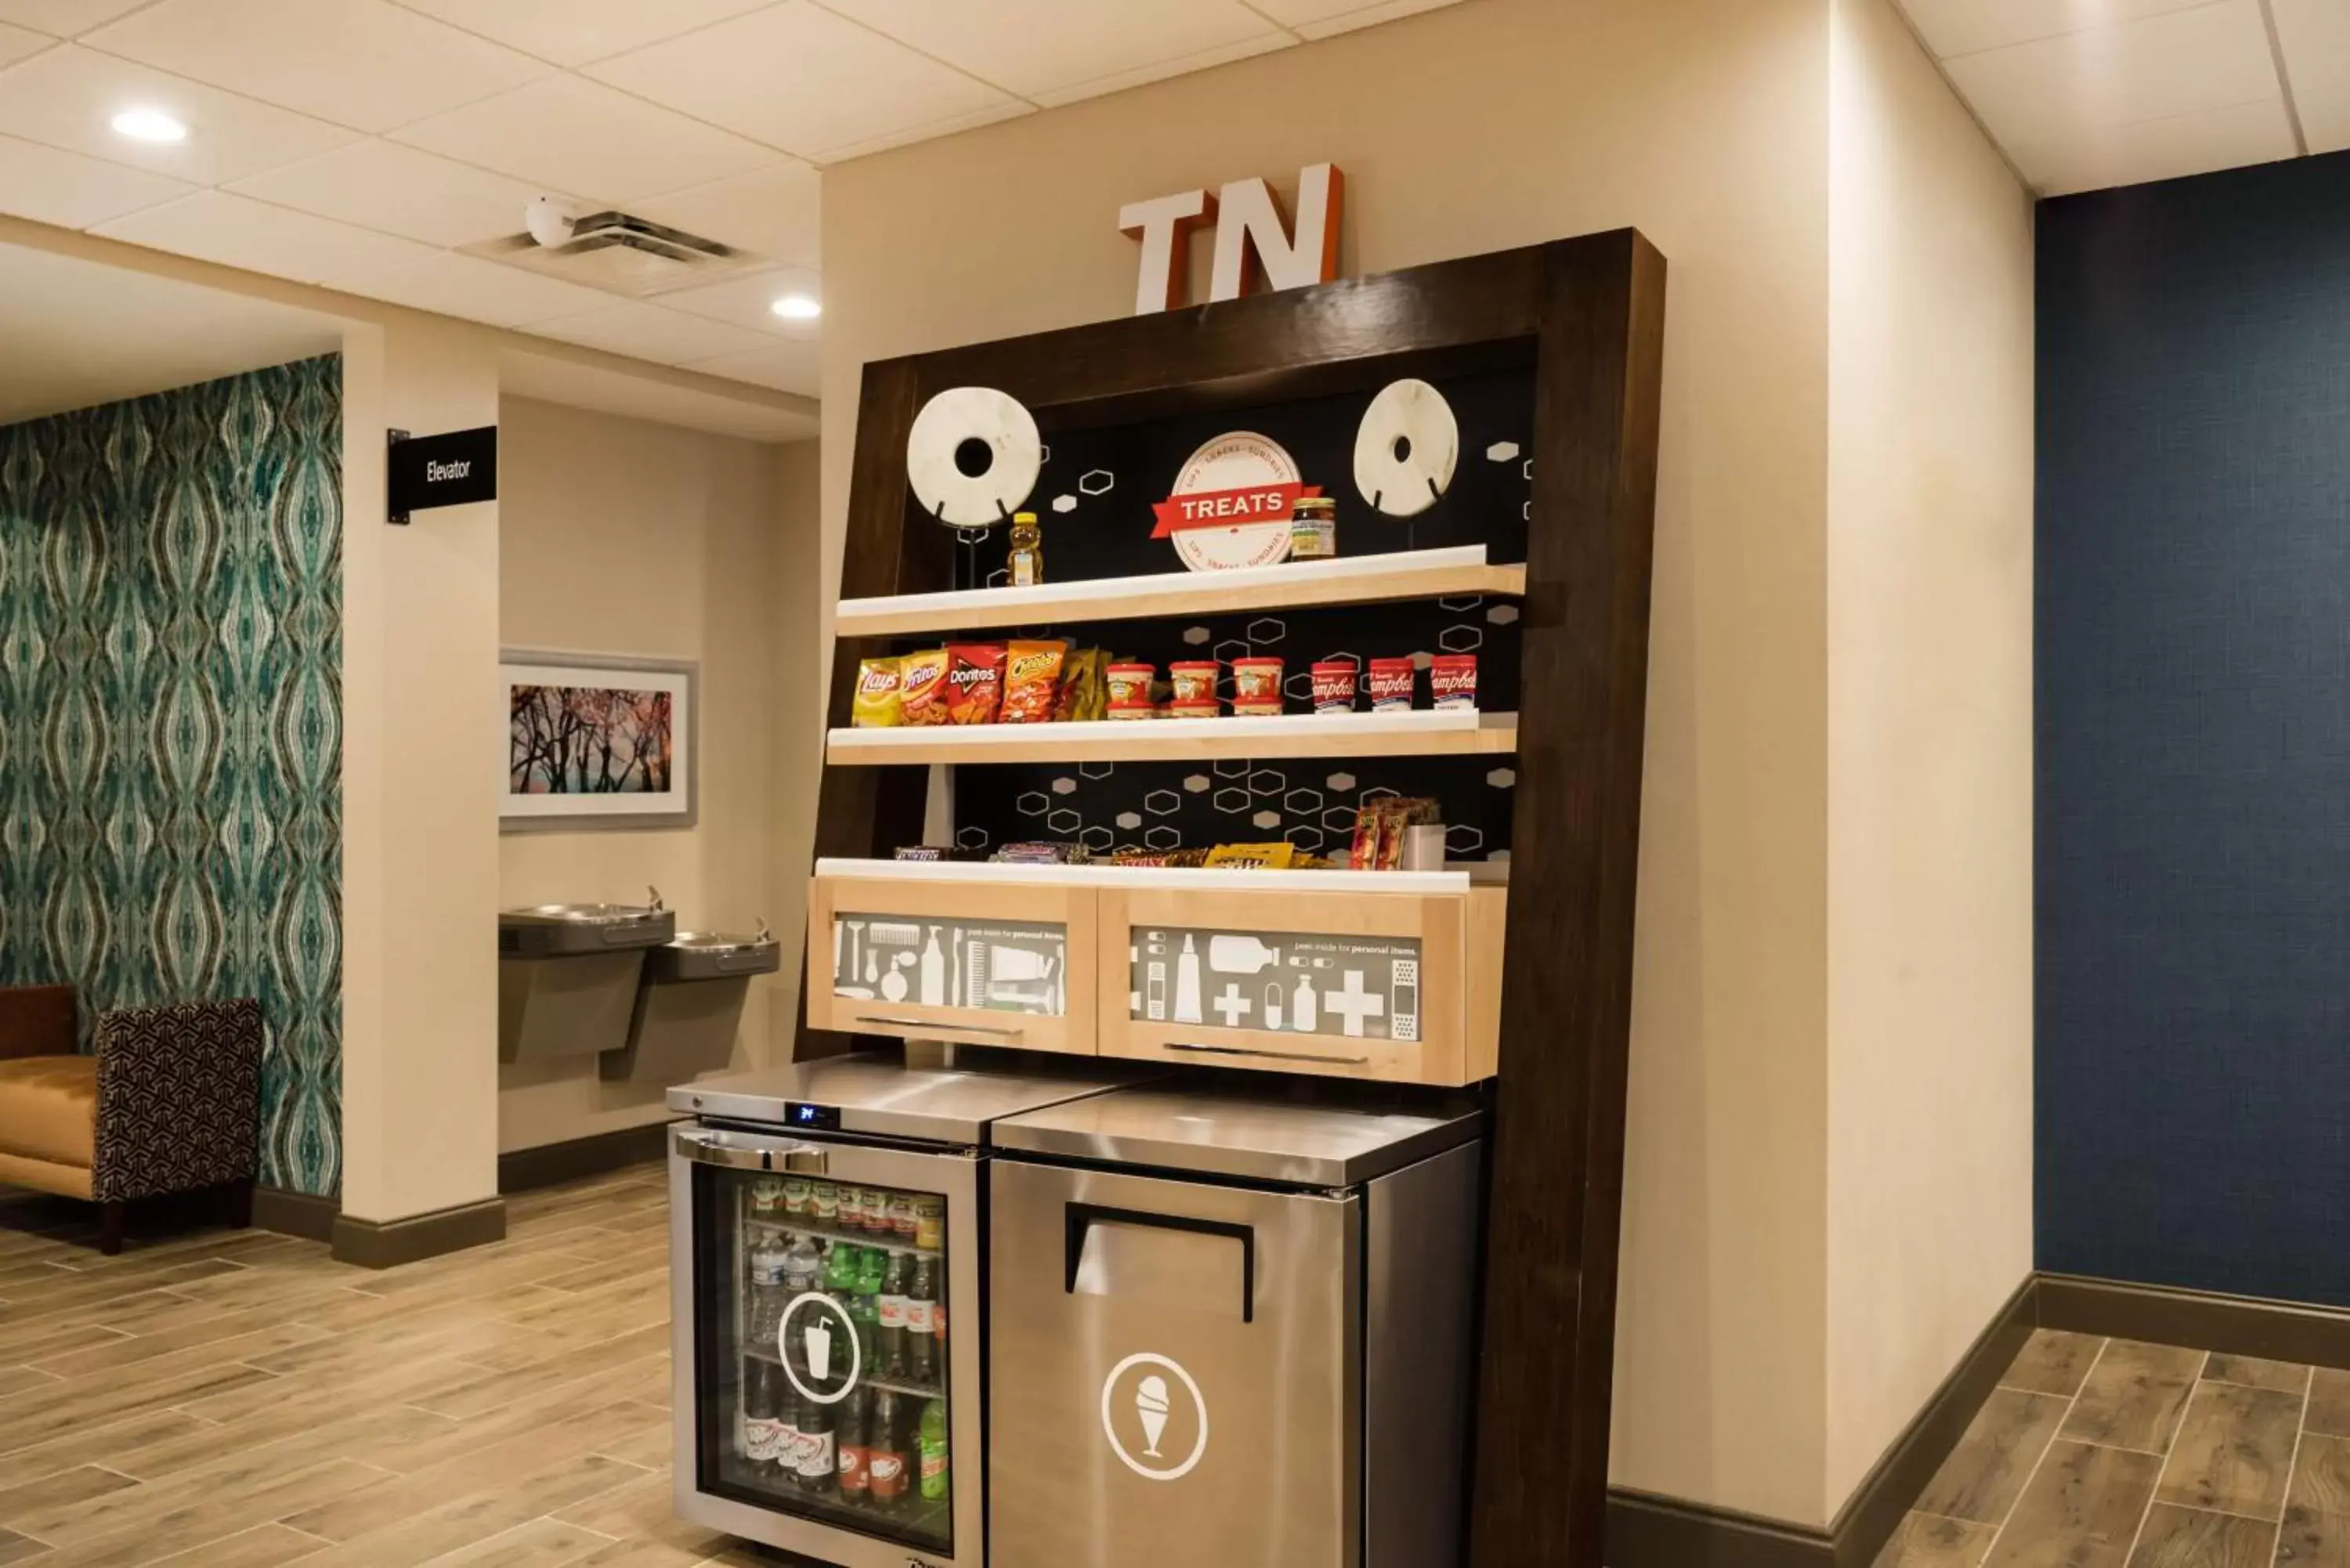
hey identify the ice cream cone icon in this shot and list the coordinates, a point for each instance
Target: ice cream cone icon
(1150, 1403)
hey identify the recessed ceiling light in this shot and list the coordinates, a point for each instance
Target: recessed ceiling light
(149, 125)
(798, 307)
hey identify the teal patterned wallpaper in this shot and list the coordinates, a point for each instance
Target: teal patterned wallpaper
(170, 720)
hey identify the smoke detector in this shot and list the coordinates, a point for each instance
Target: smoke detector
(614, 251)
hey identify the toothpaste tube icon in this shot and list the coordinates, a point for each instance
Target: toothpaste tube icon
(1151, 1404)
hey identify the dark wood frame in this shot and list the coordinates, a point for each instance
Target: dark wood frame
(1587, 314)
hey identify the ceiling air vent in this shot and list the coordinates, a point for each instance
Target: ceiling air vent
(622, 255)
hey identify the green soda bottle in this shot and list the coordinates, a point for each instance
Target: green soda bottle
(865, 1305)
(933, 1443)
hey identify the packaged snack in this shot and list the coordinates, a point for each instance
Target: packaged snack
(1043, 853)
(920, 852)
(1334, 686)
(1032, 682)
(1256, 687)
(922, 686)
(1181, 859)
(1195, 681)
(1208, 710)
(1401, 815)
(1084, 686)
(974, 682)
(1452, 679)
(1253, 856)
(1131, 689)
(880, 698)
(1313, 528)
(1392, 682)
(1364, 854)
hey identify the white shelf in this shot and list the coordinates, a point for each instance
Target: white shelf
(1351, 579)
(1422, 733)
(1199, 878)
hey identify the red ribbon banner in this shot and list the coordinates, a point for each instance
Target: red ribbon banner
(1228, 508)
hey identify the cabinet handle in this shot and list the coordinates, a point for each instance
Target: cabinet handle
(1268, 1055)
(949, 1028)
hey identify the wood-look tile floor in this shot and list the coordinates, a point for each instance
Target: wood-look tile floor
(236, 1399)
(2107, 1453)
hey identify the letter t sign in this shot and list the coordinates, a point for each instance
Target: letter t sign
(1256, 245)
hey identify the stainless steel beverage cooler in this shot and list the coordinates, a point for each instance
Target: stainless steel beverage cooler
(1231, 1333)
(826, 1250)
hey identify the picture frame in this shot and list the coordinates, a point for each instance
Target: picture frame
(599, 743)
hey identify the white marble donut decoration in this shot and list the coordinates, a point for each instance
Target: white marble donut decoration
(1406, 449)
(946, 442)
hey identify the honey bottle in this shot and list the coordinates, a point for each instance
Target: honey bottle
(1027, 562)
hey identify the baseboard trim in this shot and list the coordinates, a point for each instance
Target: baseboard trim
(551, 1164)
(1645, 1530)
(2207, 1320)
(290, 1214)
(387, 1243)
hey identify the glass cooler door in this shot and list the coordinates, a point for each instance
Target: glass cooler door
(825, 1382)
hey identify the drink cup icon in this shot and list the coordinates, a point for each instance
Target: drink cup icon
(1151, 1404)
(819, 1351)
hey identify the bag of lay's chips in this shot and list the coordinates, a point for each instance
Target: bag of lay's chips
(880, 695)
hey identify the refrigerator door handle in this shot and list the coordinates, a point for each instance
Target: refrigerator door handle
(748, 1151)
(1082, 1218)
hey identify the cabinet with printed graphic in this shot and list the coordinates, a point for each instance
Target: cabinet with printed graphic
(970, 962)
(1389, 986)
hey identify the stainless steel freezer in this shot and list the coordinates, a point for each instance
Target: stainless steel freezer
(1233, 1330)
(825, 1263)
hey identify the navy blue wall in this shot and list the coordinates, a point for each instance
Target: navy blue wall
(2193, 901)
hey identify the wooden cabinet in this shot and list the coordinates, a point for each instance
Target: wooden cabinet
(973, 962)
(1390, 986)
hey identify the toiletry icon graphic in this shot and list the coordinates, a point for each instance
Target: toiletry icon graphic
(1151, 1404)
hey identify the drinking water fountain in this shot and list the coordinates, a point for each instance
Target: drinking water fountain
(568, 975)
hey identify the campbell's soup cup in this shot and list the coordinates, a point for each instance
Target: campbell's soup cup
(1334, 686)
(1256, 687)
(1195, 681)
(1392, 682)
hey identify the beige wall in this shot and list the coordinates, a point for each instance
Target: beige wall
(422, 736)
(1498, 123)
(622, 536)
(1930, 734)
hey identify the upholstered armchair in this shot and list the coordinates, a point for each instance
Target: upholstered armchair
(167, 1101)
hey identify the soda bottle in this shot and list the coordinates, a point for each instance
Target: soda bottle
(886, 1467)
(817, 1461)
(890, 1359)
(784, 1451)
(865, 1308)
(756, 1441)
(922, 1328)
(934, 1452)
(856, 1449)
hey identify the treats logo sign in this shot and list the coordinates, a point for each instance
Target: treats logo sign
(1155, 1416)
(1231, 504)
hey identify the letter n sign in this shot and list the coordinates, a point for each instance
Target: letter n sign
(424, 472)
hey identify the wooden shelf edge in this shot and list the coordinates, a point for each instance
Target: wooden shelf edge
(1420, 733)
(1351, 579)
(1201, 879)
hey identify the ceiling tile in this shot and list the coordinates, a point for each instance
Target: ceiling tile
(574, 32)
(234, 231)
(1263, 44)
(1368, 16)
(1033, 46)
(2181, 63)
(362, 63)
(74, 192)
(65, 96)
(650, 332)
(1963, 26)
(745, 301)
(1009, 109)
(774, 212)
(801, 79)
(2164, 148)
(383, 186)
(578, 135)
(2316, 38)
(476, 290)
(16, 43)
(64, 18)
(786, 366)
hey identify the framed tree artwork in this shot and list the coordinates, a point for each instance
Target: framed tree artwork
(596, 741)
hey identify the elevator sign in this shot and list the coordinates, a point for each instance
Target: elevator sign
(452, 470)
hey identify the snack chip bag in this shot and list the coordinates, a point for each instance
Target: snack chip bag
(880, 695)
(974, 682)
(1032, 682)
(922, 686)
